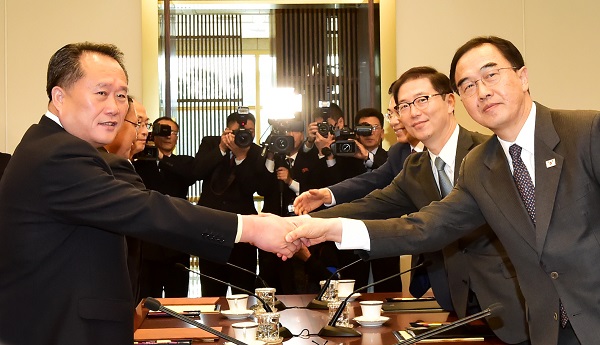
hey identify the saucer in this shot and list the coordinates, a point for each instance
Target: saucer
(237, 315)
(255, 342)
(352, 298)
(370, 322)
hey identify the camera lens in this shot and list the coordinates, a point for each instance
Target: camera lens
(281, 143)
(345, 148)
(243, 138)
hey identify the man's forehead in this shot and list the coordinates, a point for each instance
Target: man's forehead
(414, 88)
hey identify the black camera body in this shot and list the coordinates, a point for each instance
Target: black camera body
(363, 131)
(344, 144)
(150, 151)
(324, 129)
(243, 137)
(278, 142)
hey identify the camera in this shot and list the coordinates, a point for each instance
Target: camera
(243, 137)
(344, 144)
(278, 142)
(150, 151)
(324, 129)
(364, 130)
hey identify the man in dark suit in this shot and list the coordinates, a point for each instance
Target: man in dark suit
(4, 158)
(172, 175)
(469, 274)
(63, 214)
(283, 178)
(550, 231)
(230, 170)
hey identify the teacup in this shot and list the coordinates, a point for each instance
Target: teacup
(345, 287)
(245, 331)
(371, 310)
(238, 302)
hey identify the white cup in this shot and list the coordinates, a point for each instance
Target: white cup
(238, 302)
(371, 310)
(245, 331)
(345, 287)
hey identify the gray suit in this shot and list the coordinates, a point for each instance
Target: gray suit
(558, 259)
(476, 261)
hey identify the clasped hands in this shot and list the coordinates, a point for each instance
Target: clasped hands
(285, 236)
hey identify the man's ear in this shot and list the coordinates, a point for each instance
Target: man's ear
(58, 95)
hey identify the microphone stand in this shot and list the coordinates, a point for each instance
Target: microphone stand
(331, 330)
(492, 309)
(283, 331)
(155, 305)
(317, 302)
(278, 304)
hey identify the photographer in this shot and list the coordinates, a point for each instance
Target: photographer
(287, 173)
(169, 174)
(230, 167)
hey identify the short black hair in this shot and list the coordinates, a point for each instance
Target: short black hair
(235, 117)
(368, 112)
(506, 48)
(439, 81)
(64, 67)
(333, 111)
(165, 118)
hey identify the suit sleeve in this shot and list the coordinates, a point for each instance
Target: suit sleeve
(361, 185)
(432, 228)
(207, 158)
(180, 165)
(391, 201)
(98, 200)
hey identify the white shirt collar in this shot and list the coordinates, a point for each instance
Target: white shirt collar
(53, 118)
(419, 148)
(526, 136)
(448, 152)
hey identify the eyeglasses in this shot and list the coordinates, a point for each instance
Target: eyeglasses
(420, 103)
(391, 114)
(136, 125)
(467, 88)
(148, 126)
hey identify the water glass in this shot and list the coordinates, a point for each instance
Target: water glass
(331, 294)
(344, 319)
(267, 295)
(268, 327)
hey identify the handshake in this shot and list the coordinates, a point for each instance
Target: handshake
(286, 236)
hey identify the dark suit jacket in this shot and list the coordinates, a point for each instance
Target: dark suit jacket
(307, 171)
(349, 167)
(361, 185)
(477, 261)
(4, 158)
(558, 259)
(227, 186)
(63, 217)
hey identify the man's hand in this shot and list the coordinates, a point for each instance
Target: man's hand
(267, 232)
(322, 141)
(361, 152)
(311, 200)
(283, 174)
(312, 231)
(226, 137)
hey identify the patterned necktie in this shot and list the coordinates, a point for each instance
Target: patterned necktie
(445, 183)
(527, 191)
(523, 180)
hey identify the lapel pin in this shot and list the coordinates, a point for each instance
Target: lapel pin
(550, 163)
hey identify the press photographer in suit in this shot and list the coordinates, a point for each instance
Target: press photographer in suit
(171, 175)
(230, 168)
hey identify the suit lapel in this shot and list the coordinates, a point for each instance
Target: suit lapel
(499, 184)
(425, 177)
(548, 167)
(463, 146)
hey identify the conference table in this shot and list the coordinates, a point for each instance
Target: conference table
(297, 318)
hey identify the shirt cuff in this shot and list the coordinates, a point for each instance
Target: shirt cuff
(295, 187)
(270, 165)
(330, 162)
(240, 226)
(354, 235)
(332, 199)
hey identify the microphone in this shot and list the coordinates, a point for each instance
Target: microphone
(155, 305)
(331, 330)
(278, 304)
(283, 332)
(317, 302)
(493, 309)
